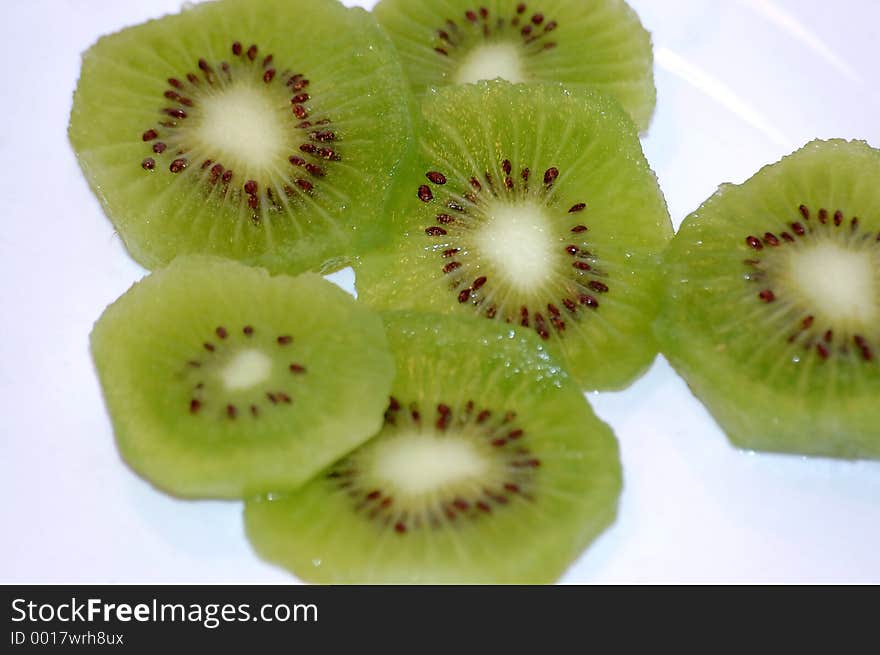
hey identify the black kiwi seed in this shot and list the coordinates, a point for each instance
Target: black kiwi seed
(185, 96)
(469, 287)
(531, 29)
(504, 439)
(810, 333)
(198, 371)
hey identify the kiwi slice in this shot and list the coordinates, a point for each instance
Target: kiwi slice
(490, 468)
(222, 381)
(531, 205)
(772, 312)
(260, 131)
(600, 43)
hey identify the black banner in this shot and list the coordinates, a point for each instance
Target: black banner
(417, 619)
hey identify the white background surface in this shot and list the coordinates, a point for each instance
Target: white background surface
(740, 83)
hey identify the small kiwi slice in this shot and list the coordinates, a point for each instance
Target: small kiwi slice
(222, 381)
(259, 131)
(533, 205)
(772, 311)
(490, 468)
(600, 43)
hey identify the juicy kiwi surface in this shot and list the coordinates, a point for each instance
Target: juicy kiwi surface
(261, 131)
(490, 468)
(772, 309)
(222, 381)
(600, 43)
(531, 205)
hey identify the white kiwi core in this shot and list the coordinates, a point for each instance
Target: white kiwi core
(246, 369)
(491, 61)
(837, 282)
(516, 242)
(242, 124)
(419, 463)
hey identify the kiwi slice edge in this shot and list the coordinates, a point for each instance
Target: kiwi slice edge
(594, 214)
(772, 287)
(491, 468)
(601, 44)
(222, 381)
(154, 129)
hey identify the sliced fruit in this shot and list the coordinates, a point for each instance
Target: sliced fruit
(264, 132)
(772, 310)
(600, 43)
(531, 205)
(222, 381)
(490, 467)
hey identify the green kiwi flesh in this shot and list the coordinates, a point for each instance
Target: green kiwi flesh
(222, 381)
(772, 307)
(260, 131)
(531, 205)
(490, 468)
(600, 43)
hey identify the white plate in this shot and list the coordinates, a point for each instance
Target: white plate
(741, 83)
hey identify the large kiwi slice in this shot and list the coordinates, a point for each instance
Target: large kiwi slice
(222, 381)
(600, 43)
(532, 205)
(773, 306)
(490, 467)
(260, 131)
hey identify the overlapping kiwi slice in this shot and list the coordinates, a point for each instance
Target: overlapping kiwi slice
(600, 43)
(260, 131)
(490, 467)
(772, 310)
(531, 205)
(222, 381)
